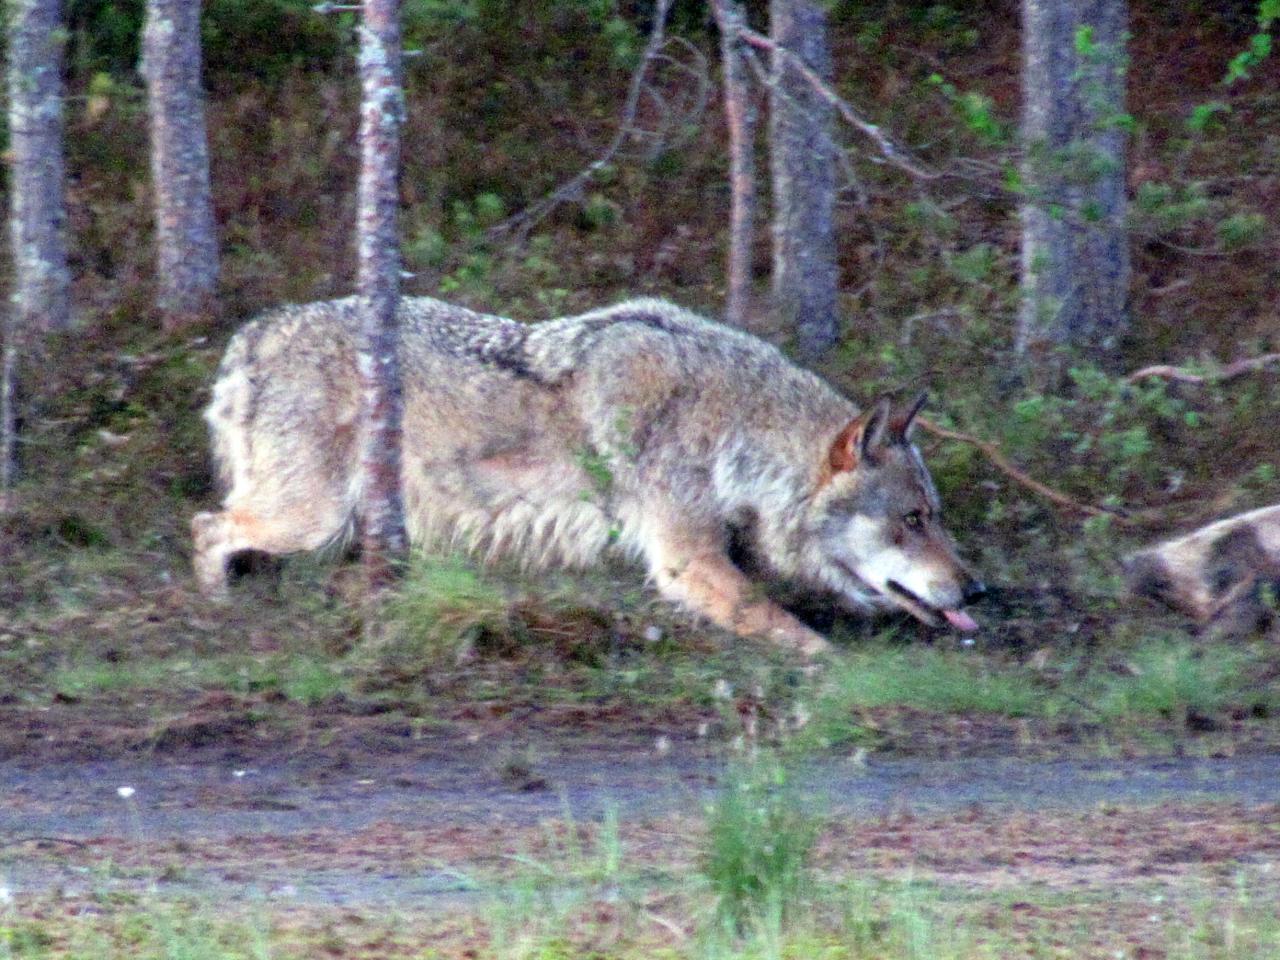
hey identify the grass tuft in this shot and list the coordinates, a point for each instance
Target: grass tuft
(441, 610)
(1178, 680)
(759, 842)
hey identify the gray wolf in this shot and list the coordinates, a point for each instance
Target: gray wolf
(640, 428)
(1226, 574)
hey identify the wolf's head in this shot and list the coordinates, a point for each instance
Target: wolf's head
(875, 528)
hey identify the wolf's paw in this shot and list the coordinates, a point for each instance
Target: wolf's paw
(798, 637)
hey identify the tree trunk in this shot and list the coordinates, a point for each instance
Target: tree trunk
(740, 115)
(381, 114)
(1075, 254)
(8, 412)
(803, 160)
(37, 218)
(186, 242)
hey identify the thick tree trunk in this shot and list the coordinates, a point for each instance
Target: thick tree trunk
(381, 114)
(1075, 254)
(37, 217)
(186, 242)
(740, 116)
(803, 159)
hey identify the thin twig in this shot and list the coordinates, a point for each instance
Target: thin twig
(1001, 462)
(35, 838)
(1230, 372)
(891, 152)
(524, 221)
(669, 925)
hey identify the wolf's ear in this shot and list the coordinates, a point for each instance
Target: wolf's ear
(905, 422)
(858, 441)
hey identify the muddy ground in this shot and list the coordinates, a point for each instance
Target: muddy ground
(361, 817)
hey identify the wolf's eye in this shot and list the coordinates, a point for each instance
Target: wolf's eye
(914, 520)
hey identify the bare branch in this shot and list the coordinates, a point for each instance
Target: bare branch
(888, 149)
(1001, 462)
(1230, 372)
(524, 221)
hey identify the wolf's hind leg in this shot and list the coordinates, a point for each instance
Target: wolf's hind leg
(697, 574)
(217, 536)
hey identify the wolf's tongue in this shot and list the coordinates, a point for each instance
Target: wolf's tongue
(960, 620)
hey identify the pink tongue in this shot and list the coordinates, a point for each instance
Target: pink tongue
(960, 620)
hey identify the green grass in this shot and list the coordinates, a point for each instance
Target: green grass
(556, 918)
(300, 677)
(932, 679)
(936, 679)
(1176, 679)
(758, 848)
(440, 610)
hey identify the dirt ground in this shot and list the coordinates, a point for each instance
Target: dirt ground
(368, 813)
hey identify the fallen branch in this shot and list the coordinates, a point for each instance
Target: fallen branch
(1001, 462)
(37, 838)
(1230, 372)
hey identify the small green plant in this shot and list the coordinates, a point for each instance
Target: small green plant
(1243, 63)
(441, 609)
(1241, 230)
(1173, 679)
(976, 110)
(1206, 116)
(759, 842)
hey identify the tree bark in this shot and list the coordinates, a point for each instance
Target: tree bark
(381, 115)
(186, 241)
(740, 116)
(37, 217)
(803, 161)
(8, 412)
(1075, 254)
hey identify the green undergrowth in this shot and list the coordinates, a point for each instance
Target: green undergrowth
(758, 849)
(532, 916)
(505, 102)
(456, 633)
(300, 678)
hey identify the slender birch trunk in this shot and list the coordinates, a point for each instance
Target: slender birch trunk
(37, 204)
(1075, 252)
(803, 161)
(381, 114)
(8, 412)
(740, 116)
(186, 241)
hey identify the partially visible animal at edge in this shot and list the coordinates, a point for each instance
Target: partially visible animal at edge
(640, 428)
(1225, 575)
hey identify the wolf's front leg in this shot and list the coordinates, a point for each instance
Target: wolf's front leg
(701, 577)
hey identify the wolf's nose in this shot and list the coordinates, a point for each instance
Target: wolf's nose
(974, 590)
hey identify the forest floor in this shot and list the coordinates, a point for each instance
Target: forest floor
(252, 825)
